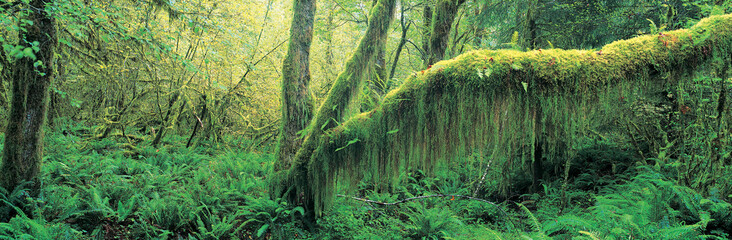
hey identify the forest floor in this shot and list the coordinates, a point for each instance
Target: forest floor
(116, 189)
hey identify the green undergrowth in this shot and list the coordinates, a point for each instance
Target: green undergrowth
(99, 189)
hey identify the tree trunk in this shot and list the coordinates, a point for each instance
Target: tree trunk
(528, 24)
(442, 20)
(331, 112)
(426, 29)
(164, 124)
(32, 77)
(296, 101)
(198, 120)
(380, 63)
(444, 113)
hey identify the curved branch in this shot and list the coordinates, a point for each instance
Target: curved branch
(484, 98)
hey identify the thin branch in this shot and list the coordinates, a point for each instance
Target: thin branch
(422, 54)
(355, 19)
(480, 184)
(453, 196)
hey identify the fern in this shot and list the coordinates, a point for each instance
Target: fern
(567, 223)
(494, 234)
(591, 235)
(536, 227)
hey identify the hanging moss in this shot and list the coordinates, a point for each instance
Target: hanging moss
(487, 100)
(293, 182)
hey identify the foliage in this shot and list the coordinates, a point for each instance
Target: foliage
(163, 118)
(101, 189)
(269, 215)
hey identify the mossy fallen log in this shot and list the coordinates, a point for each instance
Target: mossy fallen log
(490, 100)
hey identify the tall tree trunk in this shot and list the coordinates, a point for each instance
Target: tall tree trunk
(426, 29)
(442, 20)
(380, 61)
(328, 69)
(24, 135)
(296, 101)
(198, 120)
(527, 22)
(479, 26)
(331, 112)
(164, 124)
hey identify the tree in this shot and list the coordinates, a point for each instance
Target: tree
(32, 73)
(484, 99)
(296, 101)
(293, 182)
(441, 24)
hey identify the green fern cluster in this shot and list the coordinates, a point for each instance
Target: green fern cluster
(649, 207)
(105, 189)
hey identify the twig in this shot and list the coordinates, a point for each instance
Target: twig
(480, 184)
(417, 198)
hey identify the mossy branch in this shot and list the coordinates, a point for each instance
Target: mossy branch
(332, 111)
(482, 99)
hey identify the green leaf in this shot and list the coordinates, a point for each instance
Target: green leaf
(392, 131)
(349, 144)
(64, 41)
(324, 124)
(262, 230)
(28, 52)
(300, 210)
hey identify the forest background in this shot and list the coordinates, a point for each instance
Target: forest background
(163, 121)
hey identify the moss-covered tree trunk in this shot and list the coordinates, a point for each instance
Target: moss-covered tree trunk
(32, 76)
(442, 19)
(296, 101)
(4, 76)
(426, 28)
(164, 124)
(527, 23)
(380, 61)
(491, 99)
(332, 111)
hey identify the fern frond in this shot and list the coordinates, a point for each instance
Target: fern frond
(591, 235)
(493, 233)
(534, 222)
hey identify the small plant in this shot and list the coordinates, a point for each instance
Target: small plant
(433, 223)
(268, 216)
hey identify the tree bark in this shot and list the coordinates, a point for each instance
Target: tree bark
(31, 79)
(296, 101)
(442, 20)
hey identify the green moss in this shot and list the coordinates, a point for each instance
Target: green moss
(446, 111)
